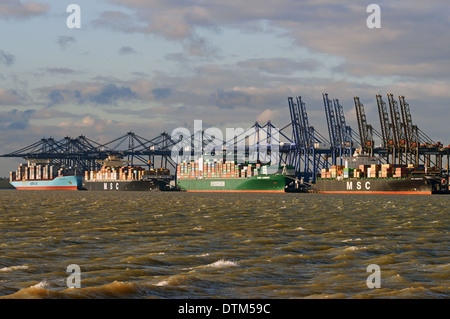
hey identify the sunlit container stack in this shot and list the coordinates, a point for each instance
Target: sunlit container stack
(368, 171)
(112, 173)
(216, 169)
(401, 171)
(32, 172)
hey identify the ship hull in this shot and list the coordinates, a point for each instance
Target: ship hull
(117, 186)
(254, 184)
(406, 186)
(58, 183)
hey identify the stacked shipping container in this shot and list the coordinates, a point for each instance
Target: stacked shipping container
(35, 172)
(369, 171)
(217, 169)
(124, 173)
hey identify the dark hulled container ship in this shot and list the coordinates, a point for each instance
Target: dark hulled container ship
(115, 175)
(380, 179)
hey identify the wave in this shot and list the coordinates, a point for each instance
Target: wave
(37, 291)
(174, 280)
(221, 264)
(116, 289)
(13, 268)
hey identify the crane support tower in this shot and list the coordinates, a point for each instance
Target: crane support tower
(365, 130)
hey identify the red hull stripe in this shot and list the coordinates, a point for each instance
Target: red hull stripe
(378, 192)
(40, 188)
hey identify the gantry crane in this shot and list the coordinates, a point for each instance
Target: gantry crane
(411, 133)
(331, 124)
(302, 139)
(365, 130)
(344, 131)
(386, 128)
(397, 130)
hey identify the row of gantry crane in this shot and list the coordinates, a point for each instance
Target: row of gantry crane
(402, 142)
(307, 150)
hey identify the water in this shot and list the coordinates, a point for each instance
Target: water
(187, 245)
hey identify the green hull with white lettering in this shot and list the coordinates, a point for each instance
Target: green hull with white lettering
(257, 184)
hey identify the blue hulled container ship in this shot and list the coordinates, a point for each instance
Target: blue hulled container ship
(31, 176)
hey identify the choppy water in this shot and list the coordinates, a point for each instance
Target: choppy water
(183, 245)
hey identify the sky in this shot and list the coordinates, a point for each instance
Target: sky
(151, 66)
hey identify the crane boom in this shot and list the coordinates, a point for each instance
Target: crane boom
(386, 127)
(365, 130)
(331, 120)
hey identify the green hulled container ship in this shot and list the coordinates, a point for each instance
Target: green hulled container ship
(227, 176)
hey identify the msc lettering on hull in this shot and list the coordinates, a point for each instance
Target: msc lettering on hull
(359, 186)
(111, 186)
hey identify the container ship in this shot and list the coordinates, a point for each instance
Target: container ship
(380, 179)
(228, 176)
(116, 175)
(34, 176)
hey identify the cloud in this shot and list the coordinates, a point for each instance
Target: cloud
(162, 93)
(63, 71)
(126, 50)
(65, 41)
(111, 93)
(118, 21)
(199, 46)
(15, 119)
(9, 97)
(88, 122)
(230, 99)
(15, 9)
(279, 65)
(108, 94)
(267, 115)
(56, 97)
(412, 42)
(6, 58)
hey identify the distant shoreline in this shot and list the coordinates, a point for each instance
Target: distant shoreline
(4, 184)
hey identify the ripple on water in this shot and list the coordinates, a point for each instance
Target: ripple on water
(183, 245)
